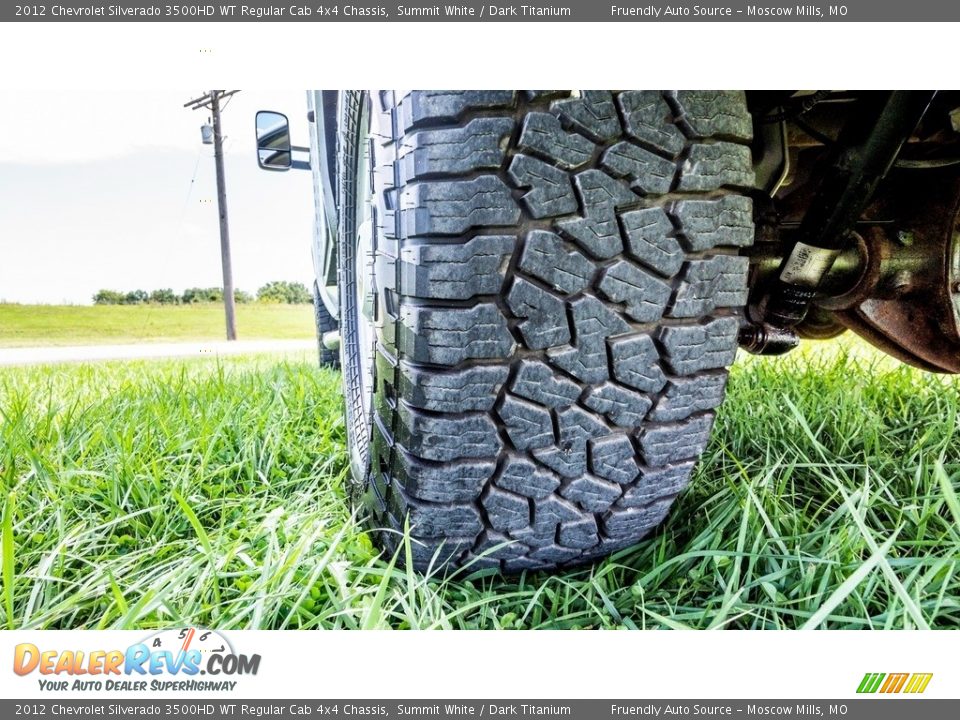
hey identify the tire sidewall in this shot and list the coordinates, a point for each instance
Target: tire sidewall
(357, 402)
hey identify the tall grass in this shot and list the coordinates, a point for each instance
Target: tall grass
(154, 494)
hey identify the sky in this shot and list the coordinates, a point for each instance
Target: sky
(115, 190)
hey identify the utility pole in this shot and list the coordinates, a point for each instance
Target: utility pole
(211, 100)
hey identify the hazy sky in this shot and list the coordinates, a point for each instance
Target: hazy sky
(96, 192)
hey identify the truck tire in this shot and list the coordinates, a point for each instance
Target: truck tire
(325, 323)
(554, 292)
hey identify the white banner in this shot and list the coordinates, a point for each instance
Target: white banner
(514, 665)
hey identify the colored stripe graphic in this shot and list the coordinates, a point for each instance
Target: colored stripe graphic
(870, 682)
(918, 682)
(894, 683)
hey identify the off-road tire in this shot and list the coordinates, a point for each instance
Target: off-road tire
(559, 290)
(325, 323)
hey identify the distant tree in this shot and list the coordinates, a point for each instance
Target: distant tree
(283, 291)
(107, 297)
(202, 295)
(135, 297)
(164, 296)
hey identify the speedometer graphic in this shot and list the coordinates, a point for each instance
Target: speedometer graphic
(179, 640)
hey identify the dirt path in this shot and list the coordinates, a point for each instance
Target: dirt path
(146, 351)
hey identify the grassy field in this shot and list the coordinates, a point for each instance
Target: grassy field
(160, 494)
(35, 325)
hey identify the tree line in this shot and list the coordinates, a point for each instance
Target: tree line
(278, 291)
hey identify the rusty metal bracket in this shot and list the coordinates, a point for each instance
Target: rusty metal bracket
(907, 301)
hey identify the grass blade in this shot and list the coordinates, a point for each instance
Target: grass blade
(848, 586)
(949, 494)
(195, 523)
(8, 557)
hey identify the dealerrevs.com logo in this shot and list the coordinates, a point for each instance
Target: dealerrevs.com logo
(170, 660)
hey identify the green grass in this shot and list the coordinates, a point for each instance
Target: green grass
(35, 325)
(157, 494)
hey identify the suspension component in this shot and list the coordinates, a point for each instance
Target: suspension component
(765, 339)
(907, 301)
(866, 150)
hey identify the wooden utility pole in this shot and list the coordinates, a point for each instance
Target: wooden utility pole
(228, 300)
(212, 100)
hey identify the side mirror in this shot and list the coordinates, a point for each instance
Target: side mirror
(274, 151)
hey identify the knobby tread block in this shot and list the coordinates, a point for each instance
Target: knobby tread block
(524, 477)
(626, 522)
(597, 230)
(567, 462)
(719, 281)
(543, 134)
(636, 363)
(472, 388)
(647, 172)
(444, 207)
(536, 381)
(456, 272)
(706, 224)
(600, 195)
(710, 167)
(540, 94)
(717, 114)
(477, 146)
(692, 348)
(568, 457)
(545, 323)
(440, 437)
(593, 323)
(556, 333)
(620, 405)
(578, 534)
(458, 481)
(529, 425)
(447, 336)
(431, 106)
(671, 442)
(647, 116)
(684, 396)
(651, 241)
(547, 257)
(644, 295)
(613, 457)
(593, 114)
(551, 512)
(550, 193)
(656, 483)
(591, 493)
(506, 510)
(497, 546)
(443, 520)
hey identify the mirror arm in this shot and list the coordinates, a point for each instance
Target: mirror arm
(300, 165)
